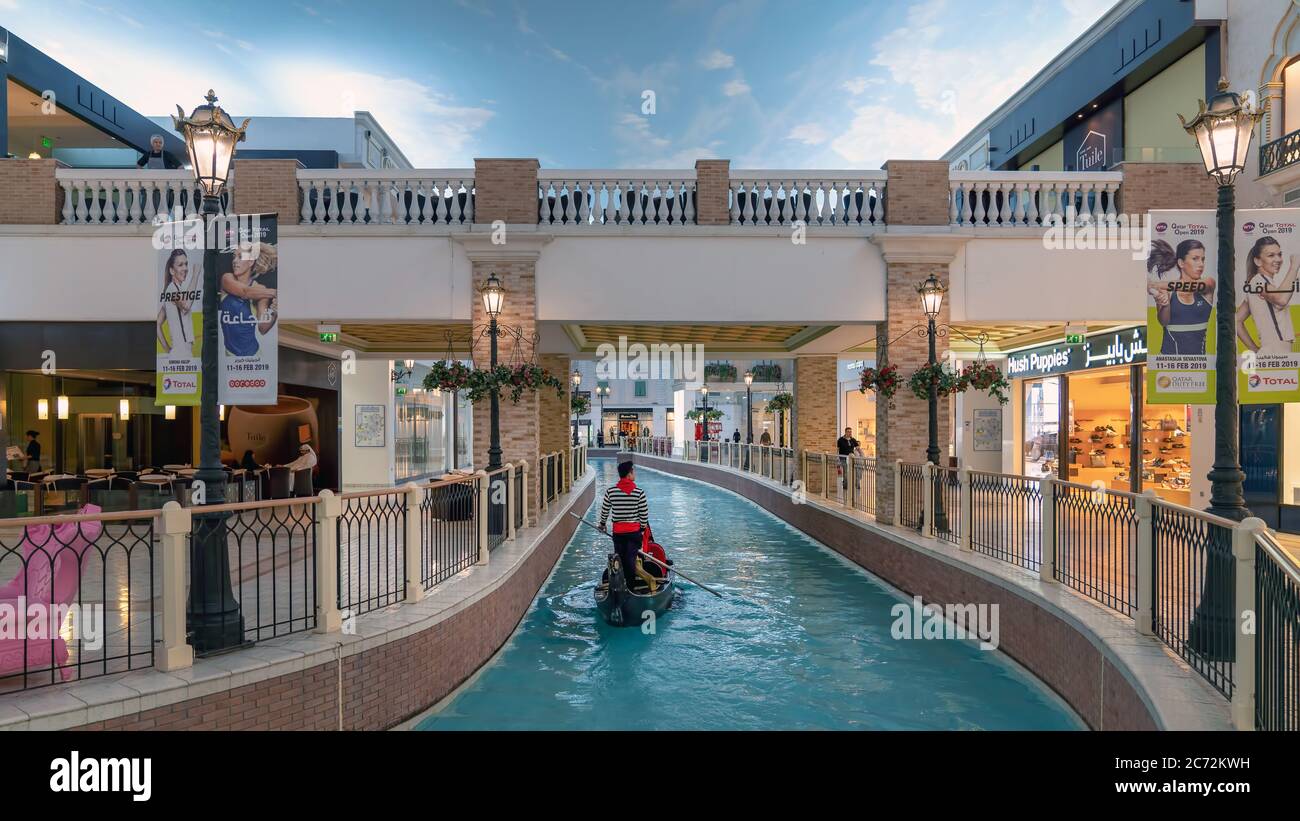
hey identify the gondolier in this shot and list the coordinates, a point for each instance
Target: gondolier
(626, 508)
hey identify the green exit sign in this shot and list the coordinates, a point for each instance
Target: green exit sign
(401, 390)
(329, 337)
(47, 142)
(1074, 339)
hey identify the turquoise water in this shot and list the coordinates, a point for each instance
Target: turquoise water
(800, 640)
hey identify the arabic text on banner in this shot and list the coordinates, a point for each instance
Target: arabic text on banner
(179, 338)
(1267, 276)
(1180, 285)
(248, 311)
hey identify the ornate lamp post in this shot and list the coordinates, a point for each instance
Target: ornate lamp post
(1223, 130)
(577, 380)
(704, 415)
(494, 297)
(601, 391)
(749, 407)
(213, 616)
(932, 291)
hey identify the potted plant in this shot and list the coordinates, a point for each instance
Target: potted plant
(883, 381)
(985, 376)
(945, 381)
(720, 372)
(766, 372)
(579, 404)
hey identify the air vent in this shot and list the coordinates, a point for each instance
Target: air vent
(1291, 196)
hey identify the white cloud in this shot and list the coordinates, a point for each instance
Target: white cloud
(808, 134)
(735, 88)
(717, 59)
(640, 147)
(9, 5)
(857, 85)
(879, 133)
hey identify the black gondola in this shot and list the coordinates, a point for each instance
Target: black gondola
(622, 607)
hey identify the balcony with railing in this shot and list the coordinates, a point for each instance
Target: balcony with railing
(1279, 154)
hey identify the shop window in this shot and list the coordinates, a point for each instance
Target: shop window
(1042, 426)
(640, 389)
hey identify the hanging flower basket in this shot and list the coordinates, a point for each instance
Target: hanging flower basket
(711, 414)
(516, 379)
(945, 382)
(883, 381)
(985, 376)
(781, 402)
(720, 371)
(579, 404)
(766, 372)
(448, 375)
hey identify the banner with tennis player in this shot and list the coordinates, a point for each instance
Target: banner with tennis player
(179, 323)
(1180, 284)
(1268, 276)
(248, 309)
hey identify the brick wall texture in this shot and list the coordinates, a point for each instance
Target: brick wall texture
(380, 687)
(30, 194)
(505, 190)
(553, 416)
(267, 187)
(815, 387)
(917, 192)
(902, 424)
(712, 191)
(1166, 185)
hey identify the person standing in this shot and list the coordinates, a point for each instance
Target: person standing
(735, 436)
(626, 507)
(156, 159)
(33, 452)
(847, 446)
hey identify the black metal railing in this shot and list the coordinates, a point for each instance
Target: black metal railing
(371, 550)
(947, 500)
(813, 473)
(1282, 152)
(498, 506)
(518, 483)
(911, 495)
(1193, 591)
(1006, 513)
(864, 484)
(448, 529)
(86, 589)
(272, 567)
(1096, 544)
(1277, 639)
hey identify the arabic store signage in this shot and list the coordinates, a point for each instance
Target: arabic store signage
(1126, 347)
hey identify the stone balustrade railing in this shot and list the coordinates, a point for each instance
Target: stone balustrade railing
(612, 198)
(823, 198)
(386, 197)
(128, 196)
(1011, 199)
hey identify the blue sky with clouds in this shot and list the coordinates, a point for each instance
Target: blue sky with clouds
(766, 84)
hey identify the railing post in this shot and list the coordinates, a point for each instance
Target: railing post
(414, 576)
(523, 497)
(1047, 563)
(542, 502)
(850, 482)
(898, 492)
(328, 510)
(511, 501)
(826, 472)
(175, 653)
(1145, 561)
(1243, 677)
(927, 499)
(482, 478)
(967, 505)
(803, 471)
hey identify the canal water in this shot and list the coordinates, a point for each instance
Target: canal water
(801, 639)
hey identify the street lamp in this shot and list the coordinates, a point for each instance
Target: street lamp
(704, 415)
(749, 408)
(601, 391)
(577, 380)
(494, 297)
(932, 291)
(213, 615)
(1223, 130)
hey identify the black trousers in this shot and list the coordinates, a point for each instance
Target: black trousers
(627, 545)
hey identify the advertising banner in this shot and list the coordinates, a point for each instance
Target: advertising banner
(1268, 276)
(247, 306)
(1180, 284)
(178, 347)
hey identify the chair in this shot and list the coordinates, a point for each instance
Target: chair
(110, 493)
(182, 487)
(129, 475)
(152, 494)
(302, 483)
(279, 483)
(50, 577)
(60, 495)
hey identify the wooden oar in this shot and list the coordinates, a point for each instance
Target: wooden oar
(673, 568)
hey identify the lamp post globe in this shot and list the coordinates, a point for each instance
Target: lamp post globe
(493, 296)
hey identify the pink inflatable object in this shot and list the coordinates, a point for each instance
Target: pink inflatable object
(48, 584)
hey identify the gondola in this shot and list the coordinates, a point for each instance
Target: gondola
(622, 607)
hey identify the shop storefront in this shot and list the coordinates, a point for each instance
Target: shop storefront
(1081, 415)
(857, 409)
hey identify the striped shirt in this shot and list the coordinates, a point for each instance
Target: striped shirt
(619, 506)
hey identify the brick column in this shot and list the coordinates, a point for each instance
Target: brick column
(518, 421)
(29, 194)
(267, 187)
(917, 193)
(814, 420)
(554, 414)
(1166, 185)
(505, 189)
(712, 187)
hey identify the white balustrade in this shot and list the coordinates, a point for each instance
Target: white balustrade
(616, 198)
(1011, 199)
(824, 198)
(366, 196)
(110, 196)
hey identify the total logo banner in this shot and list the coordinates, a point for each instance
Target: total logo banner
(1268, 314)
